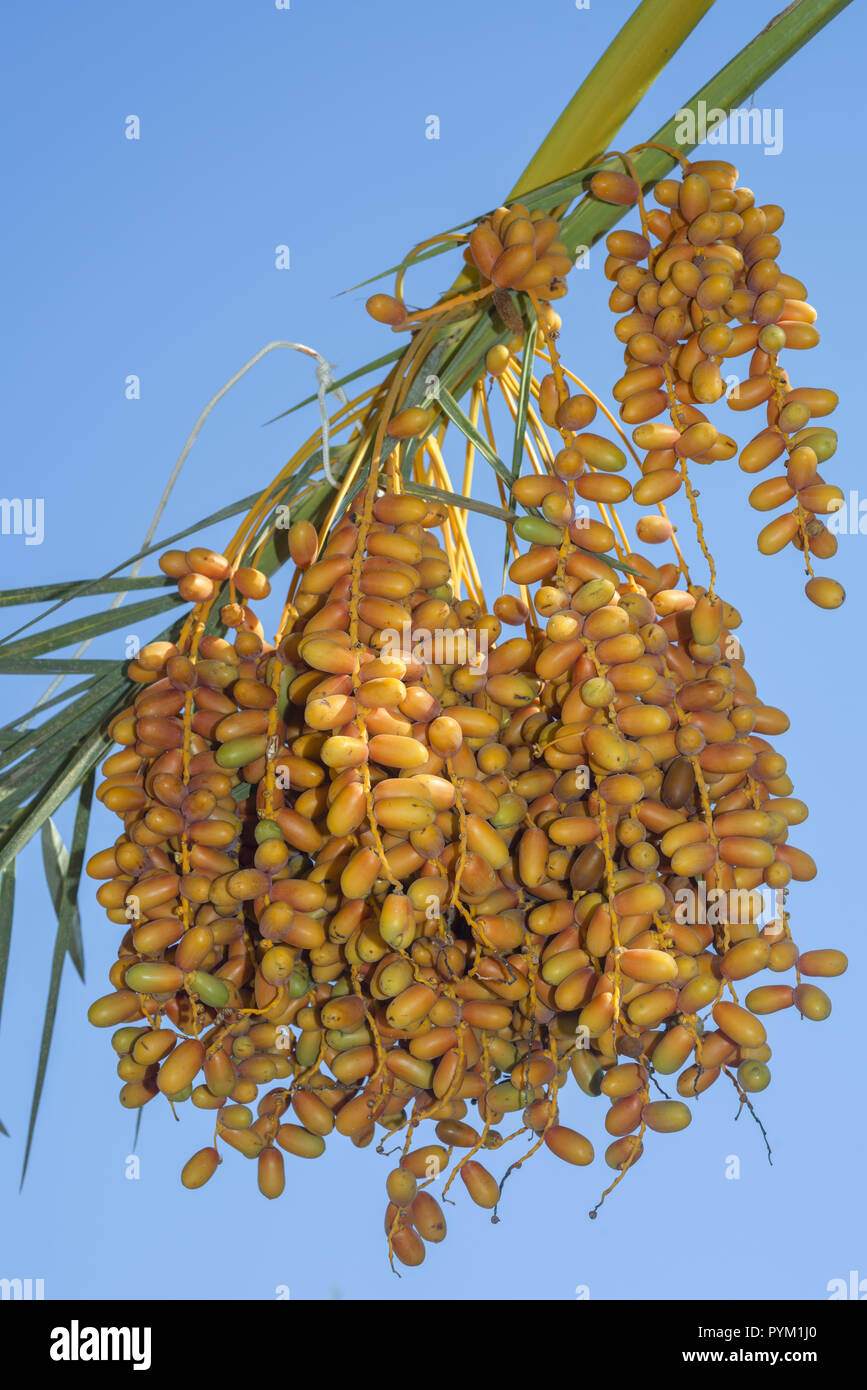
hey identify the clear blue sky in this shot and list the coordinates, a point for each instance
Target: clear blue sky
(155, 257)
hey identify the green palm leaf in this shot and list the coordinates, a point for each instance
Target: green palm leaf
(523, 403)
(86, 586)
(34, 816)
(55, 665)
(9, 732)
(454, 499)
(451, 408)
(7, 905)
(63, 871)
(28, 740)
(61, 946)
(29, 774)
(87, 626)
(44, 593)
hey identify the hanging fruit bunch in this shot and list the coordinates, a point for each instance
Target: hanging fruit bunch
(419, 862)
(697, 287)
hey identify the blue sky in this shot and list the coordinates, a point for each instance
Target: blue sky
(156, 257)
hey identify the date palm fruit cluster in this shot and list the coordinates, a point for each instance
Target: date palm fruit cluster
(512, 249)
(410, 873)
(516, 249)
(390, 887)
(697, 289)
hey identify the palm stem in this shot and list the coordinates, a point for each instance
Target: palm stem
(613, 88)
